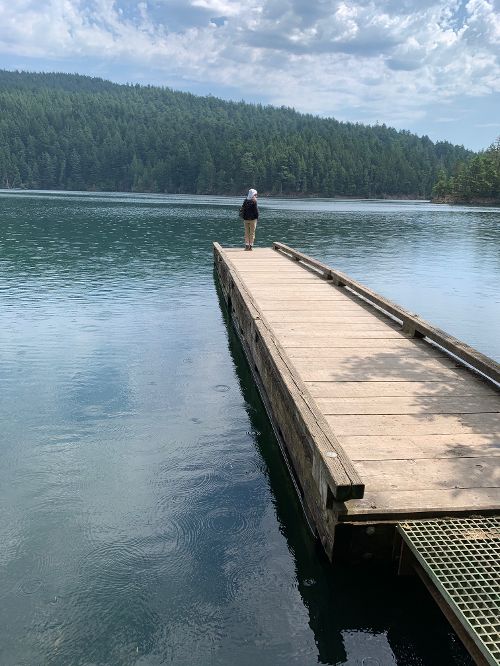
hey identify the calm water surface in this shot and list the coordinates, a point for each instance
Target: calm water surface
(145, 513)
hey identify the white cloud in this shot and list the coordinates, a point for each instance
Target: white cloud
(386, 60)
(218, 7)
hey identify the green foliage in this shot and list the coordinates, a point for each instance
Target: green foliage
(65, 131)
(441, 185)
(476, 180)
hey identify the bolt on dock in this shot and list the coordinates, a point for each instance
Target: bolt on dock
(384, 419)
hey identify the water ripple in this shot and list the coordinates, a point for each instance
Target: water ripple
(145, 515)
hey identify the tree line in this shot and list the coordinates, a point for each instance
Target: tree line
(476, 181)
(72, 132)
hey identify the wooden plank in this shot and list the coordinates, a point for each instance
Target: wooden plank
(264, 276)
(319, 286)
(240, 252)
(260, 256)
(322, 329)
(338, 370)
(252, 274)
(415, 405)
(311, 290)
(302, 304)
(404, 354)
(310, 315)
(435, 424)
(280, 282)
(289, 285)
(243, 267)
(264, 265)
(368, 361)
(258, 250)
(251, 263)
(376, 447)
(327, 292)
(242, 261)
(312, 308)
(433, 502)
(300, 340)
(332, 318)
(261, 276)
(453, 387)
(425, 474)
(261, 263)
(342, 338)
(267, 267)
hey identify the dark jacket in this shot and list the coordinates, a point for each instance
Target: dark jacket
(250, 210)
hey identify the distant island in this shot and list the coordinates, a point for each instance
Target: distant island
(72, 132)
(474, 182)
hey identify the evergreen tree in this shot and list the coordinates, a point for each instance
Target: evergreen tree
(77, 132)
(475, 181)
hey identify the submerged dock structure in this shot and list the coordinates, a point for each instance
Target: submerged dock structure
(385, 420)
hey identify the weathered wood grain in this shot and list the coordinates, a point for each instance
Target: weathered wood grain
(402, 354)
(386, 370)
(434, 447)
(418, 424)
(402, 504)
(322, 329)
(281, 279)
(290, 304)
(425, 474)
(415, 389)
(313, 317)
(392, 341)
(415, 405)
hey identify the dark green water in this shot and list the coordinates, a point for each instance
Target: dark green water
(146, 516)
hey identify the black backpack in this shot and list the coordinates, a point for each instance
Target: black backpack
(241, 211)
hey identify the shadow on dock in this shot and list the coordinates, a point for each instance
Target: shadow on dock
(438, 416)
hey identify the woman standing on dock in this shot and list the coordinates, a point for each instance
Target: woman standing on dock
(250, 214)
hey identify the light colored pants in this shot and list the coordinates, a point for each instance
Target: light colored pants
(250, 231)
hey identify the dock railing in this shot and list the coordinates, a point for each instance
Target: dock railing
(412, 324)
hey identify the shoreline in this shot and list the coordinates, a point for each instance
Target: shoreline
(268, 195)
(453, 201)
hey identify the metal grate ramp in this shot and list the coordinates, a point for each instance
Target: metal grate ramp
(461, 557)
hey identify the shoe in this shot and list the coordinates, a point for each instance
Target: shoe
(250, 247)
(247, 247)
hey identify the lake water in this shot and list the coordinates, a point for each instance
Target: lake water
(146, 516)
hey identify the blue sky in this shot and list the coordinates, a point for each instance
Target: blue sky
(427, 66)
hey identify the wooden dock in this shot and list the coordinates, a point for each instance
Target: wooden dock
(383, 417)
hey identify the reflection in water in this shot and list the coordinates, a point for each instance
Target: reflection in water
(146, 516)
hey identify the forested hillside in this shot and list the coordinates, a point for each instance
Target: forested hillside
(60, 131)
(477, 181)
